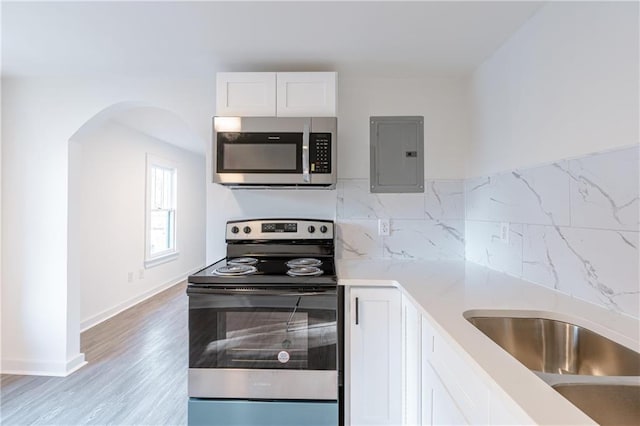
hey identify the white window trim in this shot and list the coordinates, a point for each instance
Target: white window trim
(167, 255)
(160, 259)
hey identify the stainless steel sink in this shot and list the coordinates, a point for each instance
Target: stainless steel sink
(606, 404)
(597, 375)
(557, 347)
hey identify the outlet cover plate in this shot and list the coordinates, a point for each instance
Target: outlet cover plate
(383, 227)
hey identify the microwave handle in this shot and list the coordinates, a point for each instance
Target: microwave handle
(305, 154)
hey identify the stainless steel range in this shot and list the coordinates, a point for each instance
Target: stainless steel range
(265, 328)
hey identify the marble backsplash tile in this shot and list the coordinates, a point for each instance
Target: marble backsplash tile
(483, 246)
(539, 195)
(358, 239)
(429, 225)
(603, 263)
(603, 193)
(574, 226)
(356, 202)
(425, 239)
(444, 199)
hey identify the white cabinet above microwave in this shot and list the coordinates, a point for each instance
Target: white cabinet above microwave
(270, 94)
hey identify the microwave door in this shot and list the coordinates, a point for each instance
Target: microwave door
(260, 153)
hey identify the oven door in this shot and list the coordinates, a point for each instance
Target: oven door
(263, 344)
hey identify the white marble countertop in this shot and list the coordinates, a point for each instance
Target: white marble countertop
(445, 290)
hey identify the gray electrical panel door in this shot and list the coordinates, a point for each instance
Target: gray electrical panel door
(397, 154)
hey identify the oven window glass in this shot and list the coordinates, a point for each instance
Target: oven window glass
(260, 157)
(297, 332)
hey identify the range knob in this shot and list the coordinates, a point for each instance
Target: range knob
(235, 229)
(323, 229)
(246, 230)
(311, 229)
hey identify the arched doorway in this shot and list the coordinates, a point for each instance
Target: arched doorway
(107, 203)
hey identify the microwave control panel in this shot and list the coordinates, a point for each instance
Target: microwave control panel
(320, 152)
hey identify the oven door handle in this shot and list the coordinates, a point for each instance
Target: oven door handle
(256, 292)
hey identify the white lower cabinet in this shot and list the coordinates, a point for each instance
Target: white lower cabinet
(402, 371)
(453, 393)
(375, 366)
(385, 361)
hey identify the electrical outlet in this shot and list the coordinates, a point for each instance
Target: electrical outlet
(504, 232)
(130, 277)
(383, 227)
(141, 274)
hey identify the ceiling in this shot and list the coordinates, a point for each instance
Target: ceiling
(200, 38)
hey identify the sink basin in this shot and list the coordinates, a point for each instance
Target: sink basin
(557, 347)
(606, 404)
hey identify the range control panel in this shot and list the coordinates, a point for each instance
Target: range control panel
(320, 152)
(279, 229)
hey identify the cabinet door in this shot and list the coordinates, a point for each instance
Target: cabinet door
(247, 94)
(444, 410)
(411, 383)
(427, 373)
(376, 357)
(306, 94)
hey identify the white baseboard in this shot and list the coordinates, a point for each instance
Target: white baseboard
(43, 368)
(111, 312)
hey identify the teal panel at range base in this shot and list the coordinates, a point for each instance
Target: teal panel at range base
(212, 412)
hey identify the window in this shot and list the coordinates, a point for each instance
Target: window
(161, 211)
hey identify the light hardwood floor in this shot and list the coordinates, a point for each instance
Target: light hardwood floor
(137, 373)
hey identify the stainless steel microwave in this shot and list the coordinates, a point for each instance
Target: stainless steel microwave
(270, 152)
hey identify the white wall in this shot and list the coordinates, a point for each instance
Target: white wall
(555, 154)
(565, 84)
(108, 202)
(34, 219)
(443, 101)
(39, 116)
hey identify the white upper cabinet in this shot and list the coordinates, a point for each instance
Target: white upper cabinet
(270, 94)
(247, 94)
(306, 94)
